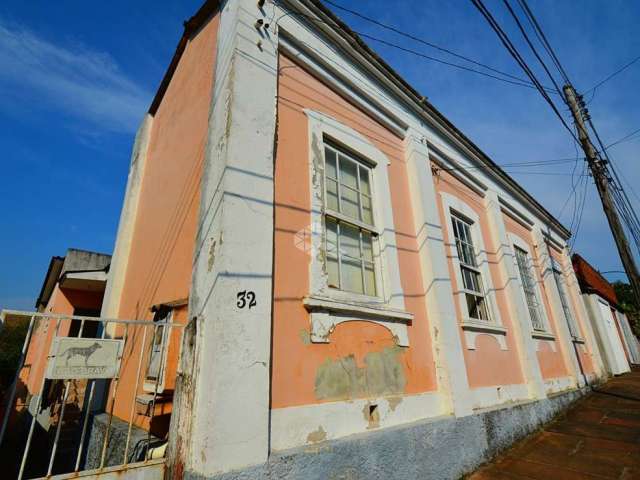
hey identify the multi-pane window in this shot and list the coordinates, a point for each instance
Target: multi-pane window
(471, 277)
(154, 377)
(529, 287)
(564, 300)
(350, 233)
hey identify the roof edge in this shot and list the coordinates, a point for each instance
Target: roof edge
(190, 26)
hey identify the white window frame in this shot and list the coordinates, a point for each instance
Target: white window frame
(340, 218)
(330, 306)
(565, 300)
(545, 333)
(454, 206)
(150, 386)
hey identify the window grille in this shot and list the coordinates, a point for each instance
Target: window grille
(349, 226)
(471, 276)
(529, 288)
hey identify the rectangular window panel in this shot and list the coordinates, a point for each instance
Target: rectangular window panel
(564, 300)
(348, 186)
(529, 288)
(350, 261)
(477, 307)
(333, 270)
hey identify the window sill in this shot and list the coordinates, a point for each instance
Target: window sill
(473, 329)
(578, 340)
(543, 335)
(327, 313)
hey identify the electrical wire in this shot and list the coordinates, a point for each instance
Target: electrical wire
(623, 139)
(443, 62)
(423, 41)
(516, 55)
(617, 72)
(519, 82)
(533, 49)
(543, 39)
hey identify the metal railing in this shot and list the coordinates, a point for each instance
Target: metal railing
(104, 329)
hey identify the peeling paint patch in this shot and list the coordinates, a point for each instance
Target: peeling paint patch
(394, 402)
(371, 415)
(342, 379)
(317, 436)
(212, 256)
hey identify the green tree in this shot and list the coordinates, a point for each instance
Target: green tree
(627, 302)
(11, 340)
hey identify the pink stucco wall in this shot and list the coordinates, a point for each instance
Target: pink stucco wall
(487, 365)
(296, 361)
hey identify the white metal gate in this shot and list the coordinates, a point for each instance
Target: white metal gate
(85, 353)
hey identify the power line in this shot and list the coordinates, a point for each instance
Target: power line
(617, 72)
(422, 40)
(516, 55)
(535, 163)
(520, 83)
(623, 139)
(543, 39)
(533, 49)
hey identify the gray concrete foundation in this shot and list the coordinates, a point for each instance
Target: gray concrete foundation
(116, 443)
(442, 448)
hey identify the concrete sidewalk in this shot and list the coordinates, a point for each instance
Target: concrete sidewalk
(597, 438)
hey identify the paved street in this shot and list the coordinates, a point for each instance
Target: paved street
(598, 438)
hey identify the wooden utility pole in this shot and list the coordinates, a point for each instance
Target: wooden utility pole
(600, 172)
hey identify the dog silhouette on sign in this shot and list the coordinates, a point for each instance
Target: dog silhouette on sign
(84, 352)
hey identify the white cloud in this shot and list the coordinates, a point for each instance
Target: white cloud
(86, 84)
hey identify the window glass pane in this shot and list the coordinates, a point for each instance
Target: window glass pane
(528, 285)
(349, 242)
(365, 187)
(370, 279)
(367, 212)
(367, 247)
(330, 163)
(348, 172)
(332, 253)
(350, 205)
(351, 275)
(477, 307)
(332, 194)
(332, 238)
(470, 280)
(333, 272)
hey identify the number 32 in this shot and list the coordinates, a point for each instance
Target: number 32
(246, 298)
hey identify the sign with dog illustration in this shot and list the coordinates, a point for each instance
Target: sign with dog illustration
(75, 358)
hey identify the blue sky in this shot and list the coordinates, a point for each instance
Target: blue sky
(77, 77)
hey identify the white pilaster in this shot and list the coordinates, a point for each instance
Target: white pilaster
(515, 302)
(583, 315)
(229, 401)
(128, 215)
(564, 338)
(441, 314)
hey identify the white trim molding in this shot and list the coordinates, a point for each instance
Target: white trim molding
(328, 313)
(472, 330)
(330, 306)
(446, 343)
